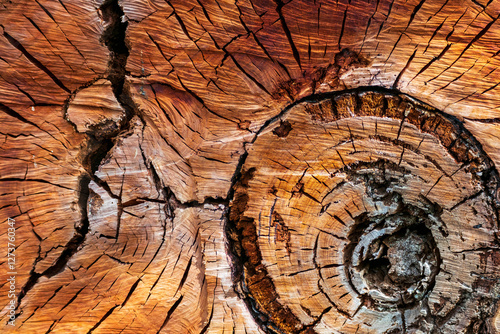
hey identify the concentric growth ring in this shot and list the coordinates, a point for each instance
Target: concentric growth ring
(366, 209)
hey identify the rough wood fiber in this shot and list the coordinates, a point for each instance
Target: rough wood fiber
(187, 167)
(363, 215)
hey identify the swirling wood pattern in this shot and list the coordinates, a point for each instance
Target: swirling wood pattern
(130, 130)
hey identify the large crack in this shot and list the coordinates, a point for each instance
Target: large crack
(97, 146)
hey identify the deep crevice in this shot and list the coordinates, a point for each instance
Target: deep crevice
(97, 147)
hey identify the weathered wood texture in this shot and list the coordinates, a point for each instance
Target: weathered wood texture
(367, 212)
(188, 167)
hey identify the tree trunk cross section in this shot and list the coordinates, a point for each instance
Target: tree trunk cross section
(212, 166)
(386, 205)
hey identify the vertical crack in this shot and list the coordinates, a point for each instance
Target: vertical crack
(288, 34)
(114, 38)
(97, 147)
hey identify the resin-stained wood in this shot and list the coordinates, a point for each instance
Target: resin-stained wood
(250, 166)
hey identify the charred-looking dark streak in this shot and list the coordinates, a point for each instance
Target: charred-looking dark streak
(97, 146)
(404, 224)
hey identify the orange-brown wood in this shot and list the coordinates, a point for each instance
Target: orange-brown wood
(249, 166)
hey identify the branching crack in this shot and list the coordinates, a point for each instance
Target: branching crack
(97, 148)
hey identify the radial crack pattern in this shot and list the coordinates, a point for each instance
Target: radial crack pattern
(383, 237)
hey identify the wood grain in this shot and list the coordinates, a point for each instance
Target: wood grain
(203, 166)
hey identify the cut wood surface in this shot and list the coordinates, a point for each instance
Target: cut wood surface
(357, 213)
(250, 166)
